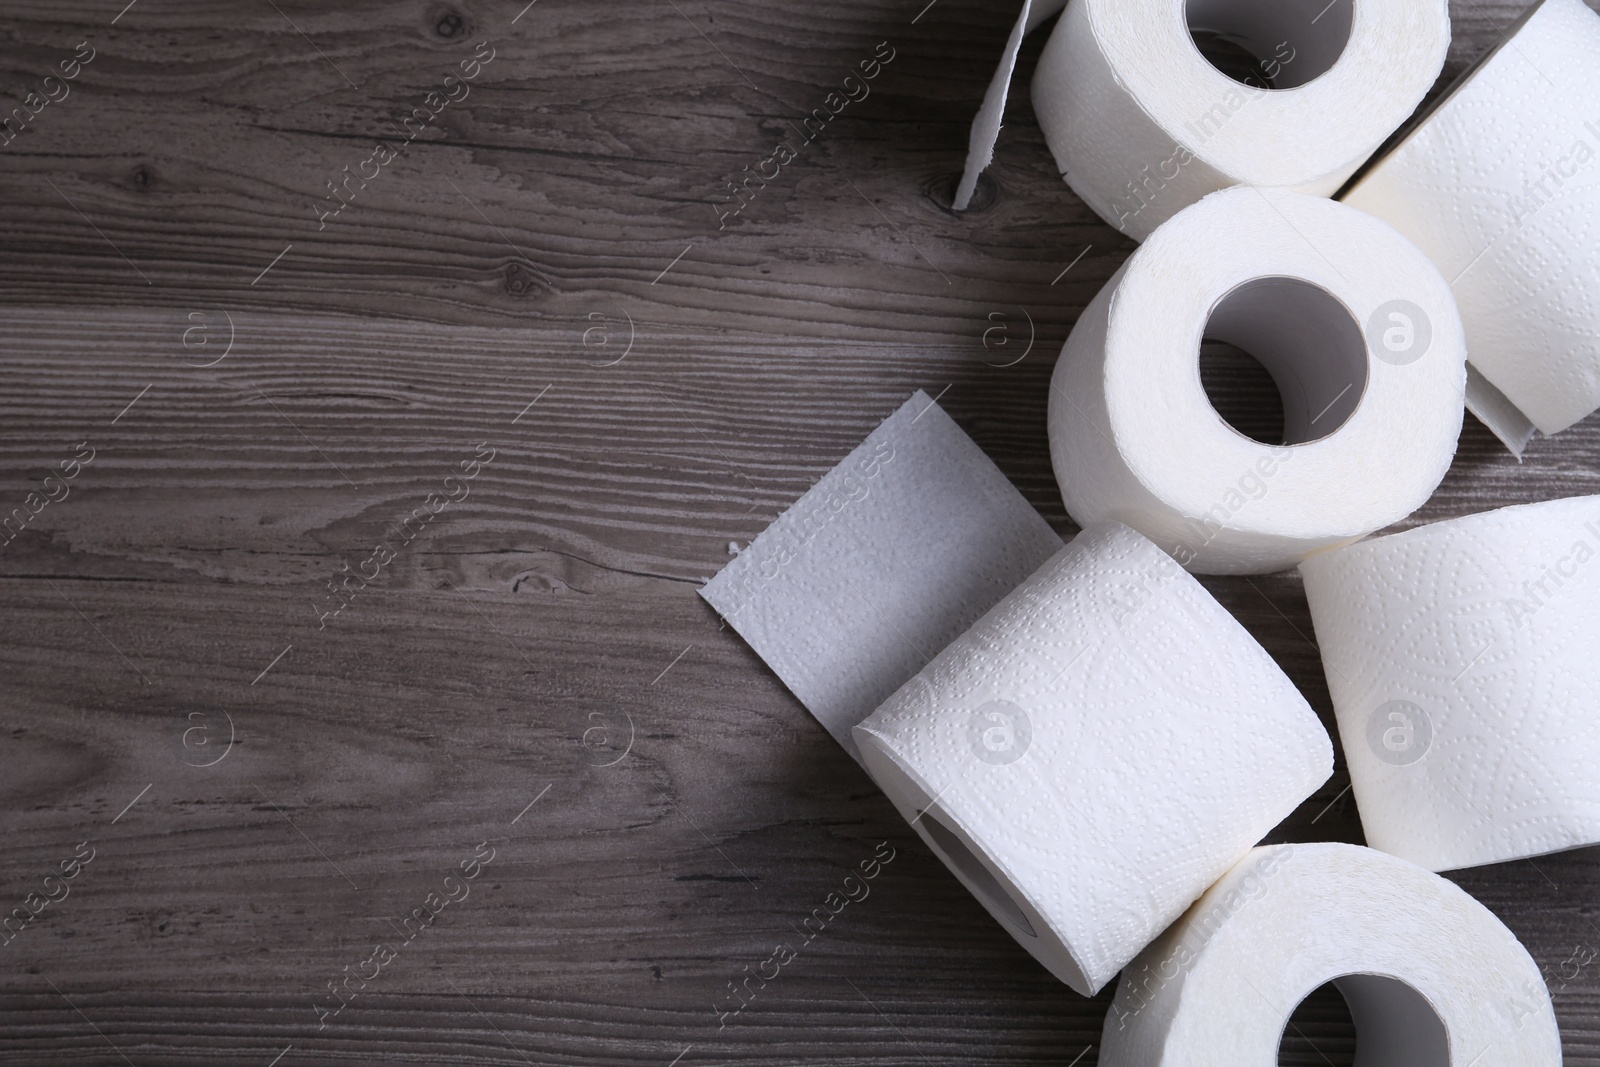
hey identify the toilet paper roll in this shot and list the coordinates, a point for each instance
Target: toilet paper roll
(1464, 661)
(888, 558)
(1431, 977)
(1357, 328)
(1142, 124)
(1095, 751)
(1500, 186)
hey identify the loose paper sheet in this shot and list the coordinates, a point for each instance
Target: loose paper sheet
(887, 559)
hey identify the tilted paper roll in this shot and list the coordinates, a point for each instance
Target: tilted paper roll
(1464, 663)
(1357, 328)
(1431, 977)
(1095, 751)
(1142, 124)
(1500, 185)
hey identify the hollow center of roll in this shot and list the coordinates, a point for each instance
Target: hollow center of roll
(1271, 44)
(1309, 343)
(1242, 392)
(976, 872)
(1394, 1025)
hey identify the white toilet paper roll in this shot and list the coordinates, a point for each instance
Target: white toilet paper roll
(1142, 125)
(1095, 751)
(1464, 662)
(1431, 977)
(1357, 328)
(1500, 186)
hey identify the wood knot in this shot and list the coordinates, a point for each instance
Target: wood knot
(446, 23)
(523, 279)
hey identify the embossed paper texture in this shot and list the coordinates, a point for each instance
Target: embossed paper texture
(1501, 188)
(1163, 743)
(1464, 663)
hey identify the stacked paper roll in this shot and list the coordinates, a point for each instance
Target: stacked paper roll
(1095, 751)
(1143, 125)
(1500, 186)
(1431, 977)
(1358, 330)
(1464, 662)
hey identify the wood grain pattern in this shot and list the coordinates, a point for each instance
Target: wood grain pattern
(481, 290)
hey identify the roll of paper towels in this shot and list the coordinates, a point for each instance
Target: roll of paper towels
(1500, 186)
(1095, 751)
(1464, 663)
(1431, 977)
(1142, 124)
(1360, 333)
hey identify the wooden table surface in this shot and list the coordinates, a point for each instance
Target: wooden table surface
(541, 281)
